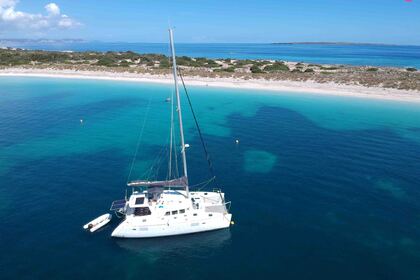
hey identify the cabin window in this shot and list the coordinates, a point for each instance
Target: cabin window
(142, 211)
(210, 215)
(182, 211)
(167, 213)
(139, 200)
(195, 214)
(174, 212)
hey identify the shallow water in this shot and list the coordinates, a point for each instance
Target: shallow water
(322, 187)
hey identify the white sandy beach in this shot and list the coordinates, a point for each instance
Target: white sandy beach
(275, 86)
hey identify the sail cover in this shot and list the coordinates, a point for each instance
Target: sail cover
(178, 182)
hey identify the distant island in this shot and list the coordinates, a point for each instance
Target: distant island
(13, 41)
(333, 43)
(268, 74)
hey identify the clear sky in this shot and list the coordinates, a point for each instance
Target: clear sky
(260, 21)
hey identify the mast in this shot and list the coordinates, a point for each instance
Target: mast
(181, 128)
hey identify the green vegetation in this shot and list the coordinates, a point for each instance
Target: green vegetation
(229, 69)
(328, 68)
(106, 61)
(124, 63)
(241, 63)
(196, 62)
(164, 63)
(184, 60)
(411, 69)
(309, 70)
(299, 65)
(276, 66)
(204, 62)
(372, 69)
(256, 69)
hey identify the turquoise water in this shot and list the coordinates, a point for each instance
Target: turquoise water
(322, 187)
(354, 54)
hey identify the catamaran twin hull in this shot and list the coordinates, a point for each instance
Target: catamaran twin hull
(173, 213)
(162, 210)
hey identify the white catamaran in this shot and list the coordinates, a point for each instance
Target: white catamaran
(167, 207)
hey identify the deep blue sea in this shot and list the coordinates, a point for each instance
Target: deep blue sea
(356, 54)
(322, 187)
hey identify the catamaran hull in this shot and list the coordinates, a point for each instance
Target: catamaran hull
(130, 229)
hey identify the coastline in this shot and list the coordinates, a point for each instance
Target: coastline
(312, 87)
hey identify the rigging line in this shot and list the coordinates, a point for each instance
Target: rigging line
(203, 183)
(151, 173)
(198, 127)
(140, 137)
(206, 184)
(159, 160)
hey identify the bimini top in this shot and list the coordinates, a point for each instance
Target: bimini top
(178, 182)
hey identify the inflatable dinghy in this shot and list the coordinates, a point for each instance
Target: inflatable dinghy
(97, 223)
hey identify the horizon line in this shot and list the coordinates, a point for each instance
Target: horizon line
(78, 40)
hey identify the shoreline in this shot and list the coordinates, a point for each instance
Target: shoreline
(311, 87)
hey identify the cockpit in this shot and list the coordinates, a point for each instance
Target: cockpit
(138, 205)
